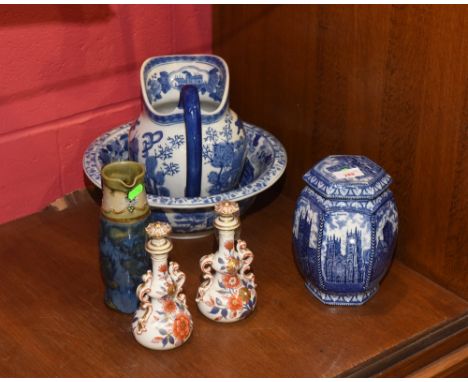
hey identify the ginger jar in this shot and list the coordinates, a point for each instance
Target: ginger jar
(345, 228)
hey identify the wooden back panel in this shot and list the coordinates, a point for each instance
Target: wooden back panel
(388, 82)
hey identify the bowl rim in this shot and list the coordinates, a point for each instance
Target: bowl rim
(264, 181)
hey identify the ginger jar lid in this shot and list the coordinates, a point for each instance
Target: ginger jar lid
(347, 177)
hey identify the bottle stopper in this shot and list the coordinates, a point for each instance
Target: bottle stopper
(227, 219)
(158, 242)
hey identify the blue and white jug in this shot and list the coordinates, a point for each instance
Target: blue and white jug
(190, 141)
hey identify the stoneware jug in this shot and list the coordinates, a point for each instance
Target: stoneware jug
(228, 292)
(190, 141)
(162, 321)
(345, 228)
(124, 214)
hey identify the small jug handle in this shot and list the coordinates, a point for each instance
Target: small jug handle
(190, 102)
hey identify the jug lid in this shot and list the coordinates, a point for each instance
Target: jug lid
(347, 177)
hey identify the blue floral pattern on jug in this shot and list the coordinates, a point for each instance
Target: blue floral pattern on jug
(344, 246)
(155, 152)
(123, 261)
(225, 156)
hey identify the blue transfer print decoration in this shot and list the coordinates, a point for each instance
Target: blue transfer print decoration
(186, 220)
(155, 153)
(345, 252)
(225, 156)
(265, 162)
(157, 85)
(329, 178)
(123, 261)
(209, 82)
(113, 151)
(149, 140)
(345, 228)
(248, 174)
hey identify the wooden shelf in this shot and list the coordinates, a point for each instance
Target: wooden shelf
(53, 321)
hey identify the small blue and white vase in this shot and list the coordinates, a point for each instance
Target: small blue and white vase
(345, 229)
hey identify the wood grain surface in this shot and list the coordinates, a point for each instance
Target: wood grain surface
(454, 364)
(53, 321)
(388, 82)
(429, 354)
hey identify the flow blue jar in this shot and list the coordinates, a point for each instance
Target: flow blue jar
(345, 228)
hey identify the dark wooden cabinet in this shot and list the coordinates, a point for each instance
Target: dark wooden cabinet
(388, 82)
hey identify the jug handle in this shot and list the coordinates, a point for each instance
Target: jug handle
(190, 102)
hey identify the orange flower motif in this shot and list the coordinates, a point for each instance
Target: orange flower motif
(229, 245)
(169, 306)
(162, 268)
(181, 327)
(231, 281)
(234, 303)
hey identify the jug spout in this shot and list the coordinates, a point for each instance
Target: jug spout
(190, 101)
(123, 175)
(123, 191)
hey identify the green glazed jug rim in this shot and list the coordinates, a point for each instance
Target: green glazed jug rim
(122, 175)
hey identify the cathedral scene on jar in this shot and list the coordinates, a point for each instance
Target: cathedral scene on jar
(345, 249)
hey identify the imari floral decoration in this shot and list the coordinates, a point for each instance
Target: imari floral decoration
(162, 321)
(228, 292)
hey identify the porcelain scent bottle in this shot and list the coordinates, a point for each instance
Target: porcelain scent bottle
(345, 229)
(162, 321)
(124, 215)
(228, 292)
